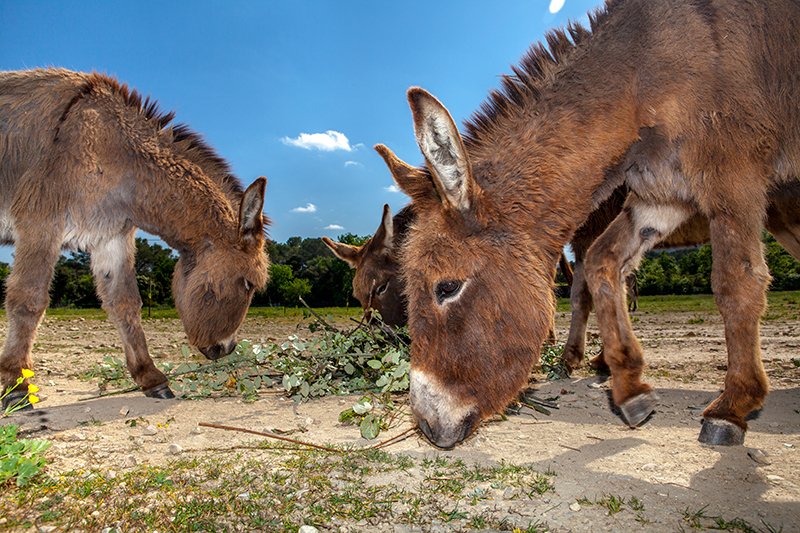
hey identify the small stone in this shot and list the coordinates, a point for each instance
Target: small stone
(198, 430)
(87, 409)
(128, 461)
(175, 449)
(150, 430)
(594, 395)
(649, 467)
(46, 529)
(243, 496)
(758, 456)
(307, 529)
(575, 507)
(774, 479)
(124, 411)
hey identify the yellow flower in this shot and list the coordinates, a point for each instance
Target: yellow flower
(33, 399)
(27, 373)
(32, 388)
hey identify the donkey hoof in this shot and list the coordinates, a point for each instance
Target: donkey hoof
(637, 409)
(18, 401)
(162, 392)
(719, 432)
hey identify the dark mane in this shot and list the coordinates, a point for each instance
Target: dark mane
(523, 85)
(190, 143)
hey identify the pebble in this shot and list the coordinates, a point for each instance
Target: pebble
(774, 479)
(198, 430)
(758, 456)
(649, 467)
(128, 461)
(150, 430)
(175, 449)
(575, 507)
(125, 410)
(307, 529)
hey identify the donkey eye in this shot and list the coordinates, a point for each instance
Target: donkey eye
(447, 289)
(382, 289)
(247, 285)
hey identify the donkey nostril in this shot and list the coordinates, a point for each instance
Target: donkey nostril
(426, 429)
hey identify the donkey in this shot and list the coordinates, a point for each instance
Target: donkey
(84, 162)
(377, 284)
(653, 152)
(495, 207)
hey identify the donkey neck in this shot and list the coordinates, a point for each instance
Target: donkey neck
(186, 207)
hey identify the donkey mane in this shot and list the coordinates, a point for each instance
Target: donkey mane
(191, 144)
(523, 87)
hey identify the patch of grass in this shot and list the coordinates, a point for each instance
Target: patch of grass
(700, 521)
(272, 487)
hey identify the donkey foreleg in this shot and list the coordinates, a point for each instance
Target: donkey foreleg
(609, 260)
(580, 303)
(26, 300)
(739, 279)
(115, 276)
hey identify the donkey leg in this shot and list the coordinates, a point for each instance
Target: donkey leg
(26, 300)
(113, 268)
(615, 253)
(580, 302)
(739, 280)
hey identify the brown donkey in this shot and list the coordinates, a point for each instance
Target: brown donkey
(84, 162)
(714, 78)
(654, 155)
(377, 283)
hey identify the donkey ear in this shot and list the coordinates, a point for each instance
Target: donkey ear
(441, 144)
(411, 180)
(385, 233)
(251, 220)
(345, 252)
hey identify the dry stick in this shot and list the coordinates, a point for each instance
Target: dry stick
(387, 442)
(270, 435)
(316, 315)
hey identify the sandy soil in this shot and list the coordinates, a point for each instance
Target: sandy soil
(592, 453)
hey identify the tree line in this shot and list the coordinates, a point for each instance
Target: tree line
(307, 268)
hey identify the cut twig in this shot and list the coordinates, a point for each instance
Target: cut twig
(269, 435)
(570, 448)
(394, 440)
(317, 316)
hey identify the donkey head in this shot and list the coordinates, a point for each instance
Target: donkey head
(213, 288)
(477, 305)
(377, 282)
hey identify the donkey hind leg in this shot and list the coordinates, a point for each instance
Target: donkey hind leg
(615, 254)
(739, 279)
(112, 265)
(26, 300)
(580, 302)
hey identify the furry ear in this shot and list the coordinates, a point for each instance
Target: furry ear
(251, 219)
(413, 181)
(441, 144)
(385, 233)
(345, 252)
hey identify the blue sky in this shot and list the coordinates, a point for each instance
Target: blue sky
(297, 91)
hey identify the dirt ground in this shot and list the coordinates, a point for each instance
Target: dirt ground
(592, 453)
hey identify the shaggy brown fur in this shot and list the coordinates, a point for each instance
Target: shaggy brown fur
(716, 80)
(84, 162)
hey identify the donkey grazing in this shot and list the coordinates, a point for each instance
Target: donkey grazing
(377, 284)
(494, 208)
(84, 162)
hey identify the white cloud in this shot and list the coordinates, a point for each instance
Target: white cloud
(556, 5)
(309, 208)
(392, 188)
(334, 226)
(352, 163)
(327, 142)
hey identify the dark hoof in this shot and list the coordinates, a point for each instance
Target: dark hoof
(162, 392)
(637, 409)
(719, 432)
(18, 401)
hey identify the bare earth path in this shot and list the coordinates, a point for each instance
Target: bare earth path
(593, 455)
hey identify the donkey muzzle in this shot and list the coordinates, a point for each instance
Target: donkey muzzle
(219, 350)
(442, 418)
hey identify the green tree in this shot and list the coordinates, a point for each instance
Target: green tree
(154, 268)
(4, 272)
